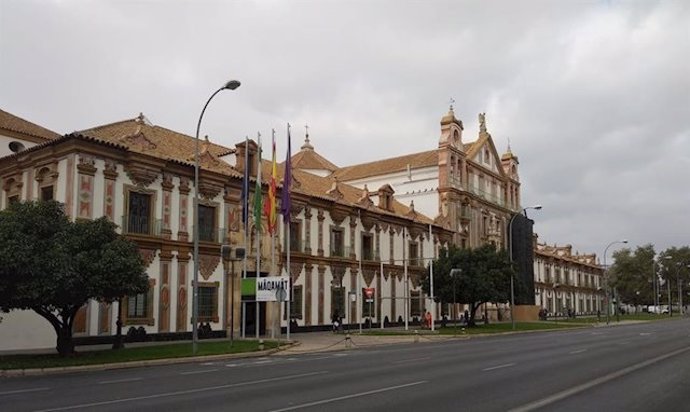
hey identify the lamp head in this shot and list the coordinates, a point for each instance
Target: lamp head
(624, 241)
(536, 207)
(232, 85)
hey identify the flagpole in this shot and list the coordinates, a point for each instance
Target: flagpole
(431, 279)
(360, 301)
(245, 222)
(271, 225)
(257, 225)
(285, 208)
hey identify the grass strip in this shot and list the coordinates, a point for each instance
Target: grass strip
(141, 353)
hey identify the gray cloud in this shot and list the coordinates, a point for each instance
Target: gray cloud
(593, 95)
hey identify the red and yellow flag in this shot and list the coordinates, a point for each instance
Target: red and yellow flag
(270, 207)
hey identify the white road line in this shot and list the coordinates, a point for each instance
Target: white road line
(231, 365)
(596, 382)
(208, 363)
(23, 391)
(412, 360)
(578, 351)
(184, 392)
(506, 365)
(262, 362)
(645, 334)
(196, 372)
(119, 381)
(342, 398)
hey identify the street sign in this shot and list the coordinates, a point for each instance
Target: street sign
(266, 288)
(369, 294)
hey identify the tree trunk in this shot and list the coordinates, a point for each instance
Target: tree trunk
(65, 344)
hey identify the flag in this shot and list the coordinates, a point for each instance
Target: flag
(257, 192)
(287, 179)
(270, 206)
(245, 187)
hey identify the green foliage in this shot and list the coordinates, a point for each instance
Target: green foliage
(54, 266)
(631, 274)
(674, 267)
(485, 276)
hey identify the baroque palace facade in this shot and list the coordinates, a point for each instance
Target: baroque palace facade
(373, 225)
(565, 282)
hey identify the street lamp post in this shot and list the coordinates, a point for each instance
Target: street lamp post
(510, 249)
(606, 277)
(231, 85)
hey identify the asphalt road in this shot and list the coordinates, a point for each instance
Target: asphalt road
(640, 367)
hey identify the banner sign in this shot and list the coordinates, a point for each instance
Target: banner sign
(268, 289)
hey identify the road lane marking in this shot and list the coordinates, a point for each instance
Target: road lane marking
(645, 334)
(506, 365)
(184, 392)
(593, 383)
(119, 381)
(578, 351)
(231, 365)
(23, 391)
(262, 362)
(412, 360)
(354, 395)
(196, 372)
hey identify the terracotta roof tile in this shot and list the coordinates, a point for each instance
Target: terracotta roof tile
(138, 135)
(385, 166)
(308, 159)
(17, 124)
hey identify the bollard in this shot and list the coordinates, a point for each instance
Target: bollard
(348, 342)
(416, 336)
(261, 344)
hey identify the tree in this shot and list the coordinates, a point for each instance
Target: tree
(631, 274)
(54, 266)
(674, 268)
(484, 277)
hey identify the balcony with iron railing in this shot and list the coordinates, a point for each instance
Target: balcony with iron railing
(340, 251)
(139, 225)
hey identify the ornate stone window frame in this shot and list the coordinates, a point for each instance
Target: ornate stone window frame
(127, 189)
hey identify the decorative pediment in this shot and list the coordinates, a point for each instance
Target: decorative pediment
(139, 140)
(368, 274)
(334, 192)
(47, 173)
(415, 279)
(338, 271)
(167, 183)
(87, 165)
(209, 190)
(295, 271)
(184, 186)
(140, 175)
(338, 215)
(368, 221)
(110, 170)
(364, 199)
(207, 265)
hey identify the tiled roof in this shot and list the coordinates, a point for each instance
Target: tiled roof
(17, 124)
(385, 166)
(138, 135)
(307, 158)
(319, 187)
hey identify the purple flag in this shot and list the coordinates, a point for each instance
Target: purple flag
(287, 179)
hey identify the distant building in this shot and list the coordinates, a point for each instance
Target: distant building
(563, 280)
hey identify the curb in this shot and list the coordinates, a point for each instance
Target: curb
(135, 364)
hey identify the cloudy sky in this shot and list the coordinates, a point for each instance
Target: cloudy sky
(594, 96)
